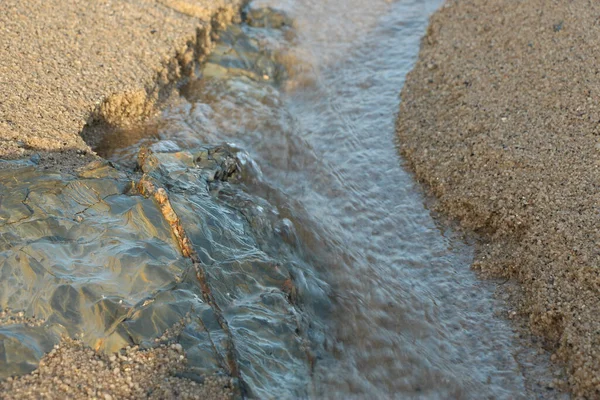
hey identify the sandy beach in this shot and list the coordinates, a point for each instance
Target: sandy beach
(500, 119)
(66, 65)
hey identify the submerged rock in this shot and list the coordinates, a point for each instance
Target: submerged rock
(267, 17)
(260, 50)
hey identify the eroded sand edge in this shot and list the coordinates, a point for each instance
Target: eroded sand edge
(68, 64)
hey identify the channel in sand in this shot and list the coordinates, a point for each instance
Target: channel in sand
(406, 315)
(279, 232)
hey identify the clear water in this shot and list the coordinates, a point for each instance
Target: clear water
(406, 316)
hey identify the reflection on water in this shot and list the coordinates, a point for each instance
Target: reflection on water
(407, 317)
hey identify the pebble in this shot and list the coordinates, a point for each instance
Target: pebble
(72, 373)
(177, 347)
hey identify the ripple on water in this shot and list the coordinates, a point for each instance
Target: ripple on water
(406, 317)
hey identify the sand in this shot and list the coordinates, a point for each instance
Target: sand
(500, 118)
(68, 64)
(72, 371)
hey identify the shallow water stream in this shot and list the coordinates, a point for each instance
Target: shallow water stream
(394, 309)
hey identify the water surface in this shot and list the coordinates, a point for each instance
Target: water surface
(311, 114)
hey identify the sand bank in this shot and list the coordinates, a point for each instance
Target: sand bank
(65, 64)
(501, 119)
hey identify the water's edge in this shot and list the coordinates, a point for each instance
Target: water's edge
(325, 272)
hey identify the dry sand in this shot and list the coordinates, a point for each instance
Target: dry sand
(64, 64)
(501, 118)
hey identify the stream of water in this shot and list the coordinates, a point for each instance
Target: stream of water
(406, 317)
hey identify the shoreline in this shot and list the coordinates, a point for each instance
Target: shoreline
(68, 71)
(70, 67)
(499, 119)
(61, 146)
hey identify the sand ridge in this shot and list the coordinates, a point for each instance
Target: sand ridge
(501, 119)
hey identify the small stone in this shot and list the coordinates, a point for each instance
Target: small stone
(558, 27)
(177, 347)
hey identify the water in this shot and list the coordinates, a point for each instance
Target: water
(313, 119)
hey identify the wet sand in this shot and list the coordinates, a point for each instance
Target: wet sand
(66, 64)
(72, 371)
(500, 118)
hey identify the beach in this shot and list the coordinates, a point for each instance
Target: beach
(500, 119)
(68, 65)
